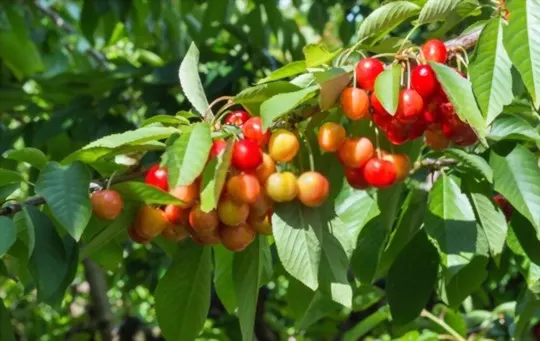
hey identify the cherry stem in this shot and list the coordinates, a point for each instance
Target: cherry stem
(384, 55)
(110, 180)
(222, 112)
(408, 74)
(309, 150)
(348, 52)
(378, 143)
(354, 79)
(408, 36)
(208, 113)
(442, 324)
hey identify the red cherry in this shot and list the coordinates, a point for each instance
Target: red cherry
(397, 133)
(218, 146)
(466, 136)
(423, 80)
(367, 71)
(382, 119)
(417, 129)
(410, 106)
(253, 130)
(434, 50)
(247, 155)
(431, 116)
(237, 118)
(380, 173)
(355, 178)
(157, 177)
(504, 205)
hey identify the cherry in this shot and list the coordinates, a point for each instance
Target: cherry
(188, 194)
(175, 233)
(313, 189)
(417, 128)
(157, 177)
(107, 204)
(424, 81)
(380, 173)
(410, 106)
(237, 238)
(504, 205)
(376, 104)
(281, 187)
(355, 103)
(136, 237)
(244, 188)
(283, 145)
(232, 213)
(431, 116)
(247, 155)
(253, 130)
(203, 223)
(355, 178)
(209, 238)
(466, 136)
(382, 119)
(260, 207)
(262, 226)
(434, 50)
(218, 146)
(397, 133)
(150, 222)
(401, 163)
(331, 136)
(267, 168)
(367, 71)
(237, 118)
(436, 140)
(355, 152)
(176, 215)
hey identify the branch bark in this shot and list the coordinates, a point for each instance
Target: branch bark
(101, 314)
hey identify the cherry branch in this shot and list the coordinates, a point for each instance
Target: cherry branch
(433, 164)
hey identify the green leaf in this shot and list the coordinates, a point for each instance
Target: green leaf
(526, 308)
(460, 94)
(8, 177)
(517, 178)
(214, 177)
(472, 162)
(435, 10)
(165, 119)
(526, 236)
(223, 277)
(512, 127)
(282, 104)
(298, 233)
(387, 88)
(187, 156)
(332, 83)
(385, 18)
(33, 156)
(291, 69)
(139, 191)
(367, 324)
(183, 293)
(25, 231)
(65, 189)
(247, 272)
(318, 54)
(8, 235)
(464, 283)
(6, 329)
(411, 279)
(490, 71)
(522, 42)
(190, 81)
(252, 98)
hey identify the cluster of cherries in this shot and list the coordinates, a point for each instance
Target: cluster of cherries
(423, 107)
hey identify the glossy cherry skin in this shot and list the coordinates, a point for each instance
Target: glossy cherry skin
(354, 103)
(397, 133)
(157, 177)
(237, 118)
(136, 237)
(107, 204)
(424, 81)
(283, 145)
(188, 194)
(150, 222)
(243, 188)
(436, 140)
(504, 205)
(203, 223)
(232, 213)
(218, 146)
(367, 71)
(175, 233)
(355, 153)
(410, 106)
(313, 189)
(376, 104)
(267, 168)
(355, 178)
(331, 136)
(401, 163)
(247, 155)
(237, 238)
(434, 50)
(253, 130)
(380, 173)
(176, 215)
(281, 187)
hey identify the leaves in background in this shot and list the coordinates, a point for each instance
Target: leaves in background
(385, 18)
(8, 234)
(435, 10)
(318, 54)
(252, 98)
(223, 277)
(32, 156)
(6, 329)
(190, 81)
(283, 104)
(291, 69)
(512, 127)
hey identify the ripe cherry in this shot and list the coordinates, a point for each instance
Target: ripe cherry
(380, 173)
(331, 136)
(466, 136)
(355, 103)
(262, 226)
(232, 213)
(355, 152)
(401, 163)
(283, 145)
(237, 118)
(417, 128)
(355, 178)
(203, 223)
(136, 237)
(376, 104)
(397, 133)
(260, 207)
(253, 130)
(423, 80)
(410, 106)
(150, 222)
(188, 194)
(313, 189)
(267, 168)
(157, 177)
(176, 215)
(243, 188)
(434, 50)
(247, 155)
(175, 233)
(281, 187)
(431, 116)
(218, 146)
(436, 140)
(382, 119)
(237, 238)
(504, 205)
(367, 71)
(107, 204)
(210, 238)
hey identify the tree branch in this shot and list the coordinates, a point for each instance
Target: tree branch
(466, 41)
(101, 314)
(433, 163)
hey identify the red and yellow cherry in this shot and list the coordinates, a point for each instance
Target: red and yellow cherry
(355, 178)
(436, 140)
(202, 223)
(380, 173)
(434, 50)
(210, 238)
(175, 233)
(283, 145)
(267, 168)
(244, 188)
(410, 106)
(354, 103)
(401, 164)
(218, 146)
(247, 155)
(107, 204)
(188, 194)
(367, 71)
(157, 177)
(260, 207)
(504, 205)
(331, 136)
(261, 225)
(355, 152)
(150, 222)
(236, 238)
(236, 118)
(313, 189)
(253, 130)
(281, 187)
(424, 81)
(232, 213)
(136, 237)
(376, 103)
(176, 215)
